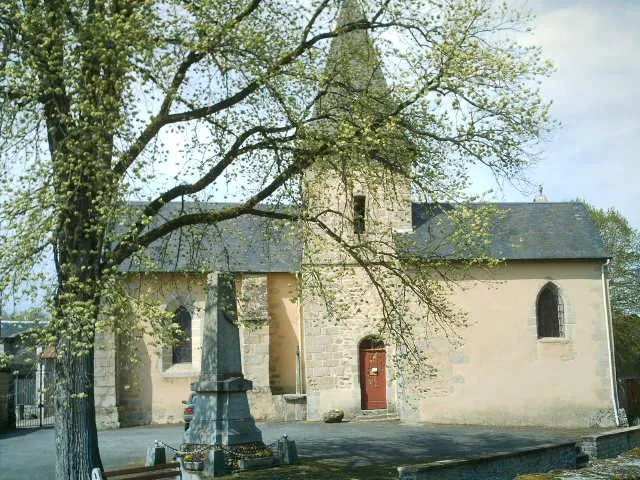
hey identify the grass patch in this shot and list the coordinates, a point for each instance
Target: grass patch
(635, 453)
(540, 476)
(320, 471)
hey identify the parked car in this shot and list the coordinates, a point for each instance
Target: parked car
(188, 410)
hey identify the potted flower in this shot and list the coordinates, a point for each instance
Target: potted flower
(258, 459)
(193, 461)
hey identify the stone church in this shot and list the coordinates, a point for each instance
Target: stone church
(536, 347)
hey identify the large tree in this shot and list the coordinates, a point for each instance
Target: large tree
(623, 243)
(93, 94)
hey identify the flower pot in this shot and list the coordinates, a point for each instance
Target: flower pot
(194, 466)
(255, 463)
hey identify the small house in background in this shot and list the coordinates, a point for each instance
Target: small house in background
(26, 395)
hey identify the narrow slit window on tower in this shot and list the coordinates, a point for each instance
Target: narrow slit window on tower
(358, 213)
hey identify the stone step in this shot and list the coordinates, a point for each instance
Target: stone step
(377, 416)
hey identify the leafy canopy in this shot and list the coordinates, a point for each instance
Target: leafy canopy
(93, 93)
(623, 243)
(107, 101)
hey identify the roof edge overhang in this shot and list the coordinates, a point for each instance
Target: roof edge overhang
(514, 259)
(205, 272)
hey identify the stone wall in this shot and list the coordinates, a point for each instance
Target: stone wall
(254, 342)
(387, 207)
(540, 459)
(105, 381)
(611, 444)
(498, 466)
(331, 342)
(270, 315)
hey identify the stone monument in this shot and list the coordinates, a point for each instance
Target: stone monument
(221, 413)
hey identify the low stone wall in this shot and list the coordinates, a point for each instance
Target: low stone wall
(506, 465)
(611, 444)
(497, 466)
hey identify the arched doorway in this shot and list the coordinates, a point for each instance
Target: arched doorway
(373, 373)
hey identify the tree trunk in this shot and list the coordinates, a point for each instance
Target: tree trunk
(76, 433)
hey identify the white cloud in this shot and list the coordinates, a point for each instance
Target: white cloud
(596, 93)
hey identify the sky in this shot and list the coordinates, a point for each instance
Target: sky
(595, 153)
(595, 46)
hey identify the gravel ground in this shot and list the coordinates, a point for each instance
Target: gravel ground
(348, 450)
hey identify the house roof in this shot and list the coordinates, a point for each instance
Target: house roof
(13, 328)
(243, 244)
(519, 231)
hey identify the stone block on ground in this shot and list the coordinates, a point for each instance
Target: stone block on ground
(256, 463)
(333, 416)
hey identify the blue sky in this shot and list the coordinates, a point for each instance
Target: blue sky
(595, 46)
(595, 154)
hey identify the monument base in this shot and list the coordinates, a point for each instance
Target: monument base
(221, 414)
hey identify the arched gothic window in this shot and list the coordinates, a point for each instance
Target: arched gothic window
(550, 312)
(182, 350)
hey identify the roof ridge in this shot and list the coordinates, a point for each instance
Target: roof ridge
(573, 202)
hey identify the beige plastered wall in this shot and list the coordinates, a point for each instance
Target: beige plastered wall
(284, 331)
(502, 374)
(150, 388)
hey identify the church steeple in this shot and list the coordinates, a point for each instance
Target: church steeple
(353, 73)
(363, 184)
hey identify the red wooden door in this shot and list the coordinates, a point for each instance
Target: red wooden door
(373, 379)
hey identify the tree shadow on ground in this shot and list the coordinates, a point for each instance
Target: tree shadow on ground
(415, 446)
(21, 432)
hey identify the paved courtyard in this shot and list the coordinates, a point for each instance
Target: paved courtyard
(29, 454)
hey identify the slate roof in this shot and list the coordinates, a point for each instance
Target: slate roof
(520, 231)
(243, 244)
(354, 68)
(12, 328)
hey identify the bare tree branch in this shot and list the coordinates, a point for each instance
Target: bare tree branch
(163, 118)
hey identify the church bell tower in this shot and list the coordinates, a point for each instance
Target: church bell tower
(362, 188)
(359, 189)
